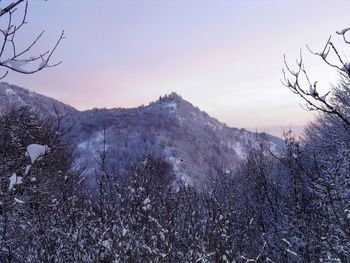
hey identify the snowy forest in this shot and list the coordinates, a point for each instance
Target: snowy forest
(286, 206)
(293, 207)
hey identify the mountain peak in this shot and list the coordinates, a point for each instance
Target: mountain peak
(174, 97)
(170, 101)
(194, 143)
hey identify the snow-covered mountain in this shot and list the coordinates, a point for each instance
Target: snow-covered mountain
(14, 97)
(192, 141)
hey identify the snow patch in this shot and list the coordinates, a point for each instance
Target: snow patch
(343, 31)
(14, 97)
(211, 125)
(170, 105)
(14, 180)
(347, 213)
(82, 145)
(146, 201)
(146, 204)
(36, 150)
(18, 201)
(94, 143)
(124, 232)
(10, 91)
(27, 169)
(238, 148)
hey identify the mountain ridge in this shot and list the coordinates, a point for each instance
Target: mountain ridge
(196, 144)
(12, 97)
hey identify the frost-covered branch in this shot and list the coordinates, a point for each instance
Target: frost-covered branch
(12, 58)
(299, 82)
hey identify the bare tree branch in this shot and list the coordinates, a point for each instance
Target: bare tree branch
(299, 82)
(10, 7)
(22, 61)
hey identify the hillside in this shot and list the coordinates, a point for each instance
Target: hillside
(14, 97)
(196, 144)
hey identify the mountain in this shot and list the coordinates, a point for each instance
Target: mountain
(196, 144)
(14, 97)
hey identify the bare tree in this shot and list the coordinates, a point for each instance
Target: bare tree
(300, 83)
(13, 17)
(324, 162)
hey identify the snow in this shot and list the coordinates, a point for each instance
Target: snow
(36, 150)
(13, 96)
(346, 67)
(146, 201)
(312, 90)
(324, 54)
(106, 244)
(92, 144)
(146, 204)
(27, 169)
(16, 64)
(323, 98)
(291, 252)
(14, 179)
(343, 31)
(286, 241)
(238, 148)
(18, 201)
(83, 145)
(172, 105)
(178, 164)
(144, 162)
(185, 179)
(10, 91)
(43, 64)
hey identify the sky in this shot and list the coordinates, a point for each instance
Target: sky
(224, 56)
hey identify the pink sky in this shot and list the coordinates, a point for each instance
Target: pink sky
(223, 56)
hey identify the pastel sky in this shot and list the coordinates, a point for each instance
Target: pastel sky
(223, 56)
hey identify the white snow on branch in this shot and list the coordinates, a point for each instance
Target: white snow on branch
(36, 150)
(346, 67)
(312, 90)
(324, 53)
(347, 213)
(286, 241)
(14, 179)
(343, 31)
(146, 204)
(10, 92)
(16, 64)
(291, 252)
(18, 201)
(323, 98)
(43, 64)
(146, 201)
(27, 169)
